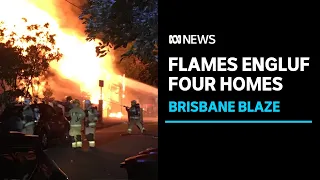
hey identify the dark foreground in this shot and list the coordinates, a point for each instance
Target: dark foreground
(103, 163)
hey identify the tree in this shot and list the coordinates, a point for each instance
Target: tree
(27, 56)
(48, 93)
(144, 72)
(10, 64)
(119, 23)
(150, 74)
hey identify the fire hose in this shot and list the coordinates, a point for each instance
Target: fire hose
(122, 106)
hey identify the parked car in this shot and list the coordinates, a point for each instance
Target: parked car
(143, 166)
(11, 118)
(21, 157)
(149, 151)
(52, 125)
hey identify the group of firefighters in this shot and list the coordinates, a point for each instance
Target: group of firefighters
(81, 119)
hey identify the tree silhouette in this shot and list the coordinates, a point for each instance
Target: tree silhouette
(47, 94)
(119, 23)
(10, 66)
(26, 57)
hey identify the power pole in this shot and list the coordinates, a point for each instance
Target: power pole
(101, 84)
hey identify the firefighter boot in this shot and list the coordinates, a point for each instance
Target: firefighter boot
(140, 126)
(143, 130)
(79, 141)
(73, 142)
(90, 138)
(130, 126)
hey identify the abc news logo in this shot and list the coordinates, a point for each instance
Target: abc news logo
(192, 39)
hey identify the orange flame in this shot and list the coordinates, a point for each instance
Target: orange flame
(116, 115)
(79, 63)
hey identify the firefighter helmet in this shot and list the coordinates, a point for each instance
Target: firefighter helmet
(133, 102)
(87, 102)
(27, 101)
(76, 101)
(68, 98)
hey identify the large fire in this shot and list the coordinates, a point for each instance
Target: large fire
(79, 63)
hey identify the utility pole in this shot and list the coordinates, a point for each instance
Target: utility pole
(101, 84)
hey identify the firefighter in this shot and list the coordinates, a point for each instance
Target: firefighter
(77, 116)
(67, 106)
(36, 110)
(36, 113)
(60, 110)
(92, 118)
(28, 118)
(134, 113)
(69, 100)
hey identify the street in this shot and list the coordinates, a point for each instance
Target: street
(103, 163)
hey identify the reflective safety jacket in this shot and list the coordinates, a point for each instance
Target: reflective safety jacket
(77, 116)
(92, 115)
(28, 114)
(134, 113)
(28, 117)
(36, 113)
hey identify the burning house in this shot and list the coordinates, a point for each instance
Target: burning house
(78, 72)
